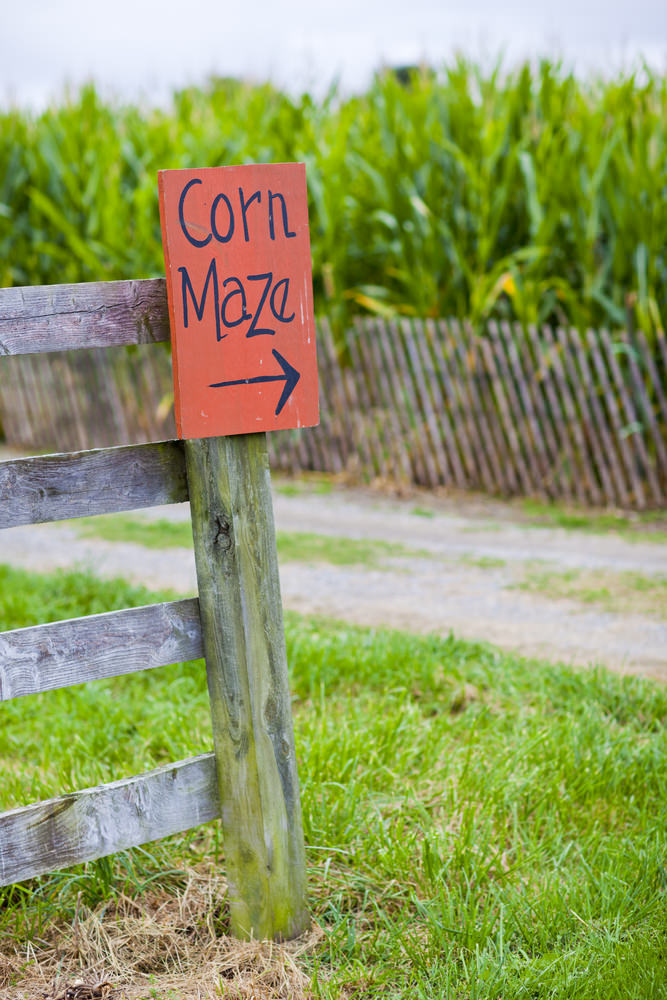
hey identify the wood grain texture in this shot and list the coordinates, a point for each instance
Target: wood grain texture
(402, 471)
(455, 401)
(46, 836)
(42, 318)
(439, 412)
(365, 408)
(510, 421)
(633, 426)
(435, 461)
(648, 416)
(375, 412)
(522, 404)
(597, 431)
(383, 445)
(612, 418)
(244, 643)
(331, 435)
(45, 657)
(360, 444)
(561, 454)
(408, 402)
(57, 487)
(470, 375)
(332, 381)
(570, 420)
(655, 383)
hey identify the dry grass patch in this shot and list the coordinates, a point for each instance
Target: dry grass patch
(158, 947)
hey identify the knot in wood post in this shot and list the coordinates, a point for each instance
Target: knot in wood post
(223, 534)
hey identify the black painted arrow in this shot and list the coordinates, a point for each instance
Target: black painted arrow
(290, 377)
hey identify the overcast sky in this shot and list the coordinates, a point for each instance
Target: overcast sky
(145, 48)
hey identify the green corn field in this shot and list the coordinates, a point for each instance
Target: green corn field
(529, 194)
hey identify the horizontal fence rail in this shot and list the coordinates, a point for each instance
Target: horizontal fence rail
(62, 653)
(45, 318)
(105, 481)
(89, 824)
(95, 822)
(552, 413)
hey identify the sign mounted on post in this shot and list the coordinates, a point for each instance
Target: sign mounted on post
(237, 259)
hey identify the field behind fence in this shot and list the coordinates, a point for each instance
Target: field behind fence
(553, 413)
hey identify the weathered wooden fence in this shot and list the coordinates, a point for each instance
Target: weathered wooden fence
(549, 413)
(250, 780)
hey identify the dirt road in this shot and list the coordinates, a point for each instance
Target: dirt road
(475, 553)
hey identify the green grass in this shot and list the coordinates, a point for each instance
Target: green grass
(158, 534)
(293, 546)
(648, 526)
(482, 562)
(477, 526)
(423, 512)
(313, 484)
(622, 592)
(478, 826)
(303, 546)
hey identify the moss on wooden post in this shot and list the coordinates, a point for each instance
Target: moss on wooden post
(244, 644)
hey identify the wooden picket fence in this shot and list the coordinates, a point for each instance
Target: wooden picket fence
(559, 414)
(548, 413)
(250, 779)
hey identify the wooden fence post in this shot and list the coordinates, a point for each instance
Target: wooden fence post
(244, 644)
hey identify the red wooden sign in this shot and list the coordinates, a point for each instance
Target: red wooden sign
(237, 257)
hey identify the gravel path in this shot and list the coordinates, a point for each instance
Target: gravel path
(442, 592)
